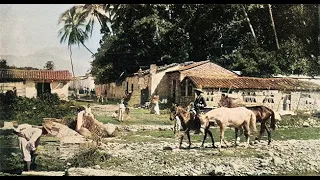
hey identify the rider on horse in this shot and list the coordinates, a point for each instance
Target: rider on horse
(198, 106)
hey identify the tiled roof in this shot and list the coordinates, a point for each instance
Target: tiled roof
(35, 74)
(253, 83)
(190, 65)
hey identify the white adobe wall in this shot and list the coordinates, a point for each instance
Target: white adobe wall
(61, 88)
(31, 90)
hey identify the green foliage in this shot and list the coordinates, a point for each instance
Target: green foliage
(160, 34)
(89, 157)
(32, 111)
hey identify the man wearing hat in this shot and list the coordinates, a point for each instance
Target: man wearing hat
(199, 105)
(29, 138)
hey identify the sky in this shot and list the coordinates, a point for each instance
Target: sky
(28, 28)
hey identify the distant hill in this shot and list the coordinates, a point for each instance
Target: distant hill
(59, 56)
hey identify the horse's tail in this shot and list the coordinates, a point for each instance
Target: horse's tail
(273, 121)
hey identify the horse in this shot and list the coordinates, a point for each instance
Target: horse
(187, 121)
(263, 114)
(238, 118)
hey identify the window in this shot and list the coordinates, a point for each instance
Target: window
(183, 87)
(268, 100)
(250, 99)
(189, 90)
(131, 87)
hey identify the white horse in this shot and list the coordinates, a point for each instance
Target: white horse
(239, 117)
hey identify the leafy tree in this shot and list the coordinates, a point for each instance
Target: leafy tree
(254, 38)
(49, 65)
(3, 64)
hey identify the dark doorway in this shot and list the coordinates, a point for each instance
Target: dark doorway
(144, 96)
(43, 88)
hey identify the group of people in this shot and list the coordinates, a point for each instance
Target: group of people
(29, 135)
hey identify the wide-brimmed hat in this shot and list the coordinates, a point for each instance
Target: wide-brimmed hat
(21, 127)
(47, 125)
(198, 90)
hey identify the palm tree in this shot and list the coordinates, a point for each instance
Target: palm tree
(104, 13)
(75, 29)
(273, 26)
(249, 23)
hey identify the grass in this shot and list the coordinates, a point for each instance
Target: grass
(138, 117)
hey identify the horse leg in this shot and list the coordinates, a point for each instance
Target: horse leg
(247, 133)
(222, 128)
(269, 134)
(181, 139)
(212, 140)
(236, 131)
(262, 129)
(204, 137)
(189, 140)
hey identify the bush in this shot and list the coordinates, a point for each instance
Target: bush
(33, 110)
(89, 157)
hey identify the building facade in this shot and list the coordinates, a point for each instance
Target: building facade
(31, 83)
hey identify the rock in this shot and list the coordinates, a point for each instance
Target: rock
(95, 172)
(277, 161)
(305, 124)
(110, 129)
(167, 148)
(43, 173)
(218, 171)
(235, 166)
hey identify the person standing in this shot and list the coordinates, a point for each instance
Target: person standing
(126, 100)
(121, 111)
(29, 139)
(288, 104)
(155, 105)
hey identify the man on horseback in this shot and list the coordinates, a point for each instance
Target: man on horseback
(198, 106)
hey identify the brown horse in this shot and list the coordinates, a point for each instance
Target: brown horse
(238, 118)
(263, 114)
(187, 122)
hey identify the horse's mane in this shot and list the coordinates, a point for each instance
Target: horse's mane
(185, 114)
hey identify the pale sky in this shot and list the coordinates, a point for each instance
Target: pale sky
(28, 28)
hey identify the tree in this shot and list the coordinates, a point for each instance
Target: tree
(49, 65)
(249, 23)
(161, 34)
(104, 13)
(75, 29)
(273, 26)
(3, 64)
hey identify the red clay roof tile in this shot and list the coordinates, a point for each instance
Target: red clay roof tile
(253, 83)
(35, 74)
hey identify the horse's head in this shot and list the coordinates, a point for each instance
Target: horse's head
(223, 102)
(227, 101)
(173, 111)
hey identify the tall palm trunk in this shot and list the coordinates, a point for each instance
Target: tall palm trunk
(249, 23)
(71, 61)
(273, 26)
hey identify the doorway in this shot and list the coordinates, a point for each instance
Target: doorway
(43, 88)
